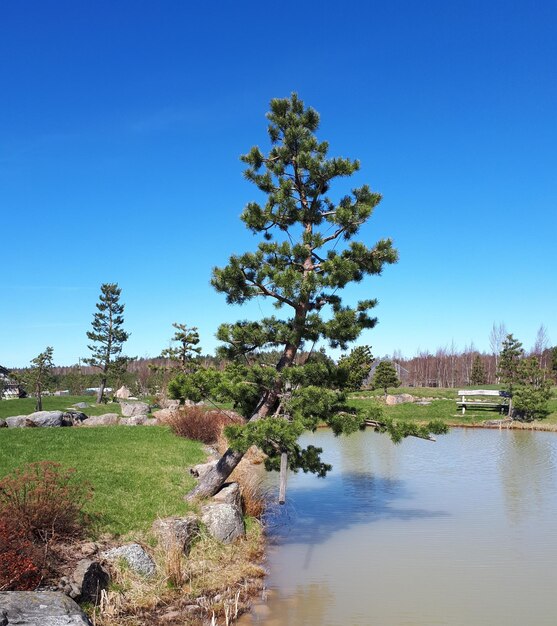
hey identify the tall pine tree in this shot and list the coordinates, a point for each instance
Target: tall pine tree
(107, 336)
(306, 256)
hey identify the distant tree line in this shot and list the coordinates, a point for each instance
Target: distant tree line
(450, 367)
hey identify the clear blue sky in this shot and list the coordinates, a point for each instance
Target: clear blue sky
(121, 125)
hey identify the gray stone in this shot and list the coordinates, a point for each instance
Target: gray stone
(91, 578)
(224, 521)
(3, 423)
(164, 415)
(81, 405)
(229, 494)
(400, 398)
(73, 418)
(151, 422)
(176, 532)
(19, 421)
(200, 470)
(131, 409)
(169, 404)
(136, 420)
(135, 556)
(46, 419)
(108, 419)
(40, 608)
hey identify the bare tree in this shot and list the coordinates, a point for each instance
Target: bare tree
(540, 345)
(496, 338)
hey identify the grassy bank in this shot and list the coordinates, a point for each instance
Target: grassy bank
(137, 473)
(25, 406)
(442, 406)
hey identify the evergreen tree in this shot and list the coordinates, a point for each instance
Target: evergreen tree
(184, 353)
(39, 375)
(553, 364)
(356, 365)
(385, 376)
(532, 391)
(307, 254)
(478, 375)
(108, 336)
(509, 360)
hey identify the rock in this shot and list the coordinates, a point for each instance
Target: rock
(136, 420)
(19, 421)
(399, 399)
(166, 403)
(224, 521)
(164, 415)
(91, 578)
(151, 422)
(73, 418)
(135, 556)
(500, 422)
(81, 405)
(176, 532)
(229, 494)
(124, 393)
(108, 419)
(200, 470)
(46, 419)
(40, 608)
(131, 409)
(3, 423)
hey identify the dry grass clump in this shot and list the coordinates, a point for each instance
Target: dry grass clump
(213, 580)
(201, 423)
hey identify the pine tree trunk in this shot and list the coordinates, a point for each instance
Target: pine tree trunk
(211, 482)
(100, 392)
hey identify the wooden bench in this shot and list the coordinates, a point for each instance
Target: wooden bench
(473, 398)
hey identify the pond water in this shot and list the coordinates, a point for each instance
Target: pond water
(462, 532)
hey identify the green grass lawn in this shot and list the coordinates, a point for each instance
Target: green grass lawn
(138, 473)
(25, 406)
(440, 408)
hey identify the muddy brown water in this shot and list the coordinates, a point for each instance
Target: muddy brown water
(460, 532)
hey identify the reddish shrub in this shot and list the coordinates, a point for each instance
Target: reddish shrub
(200, 423)
(44, 501)
(20, 560)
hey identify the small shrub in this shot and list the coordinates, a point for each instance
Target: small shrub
(20, 560)
(44, 500)
(200, 423)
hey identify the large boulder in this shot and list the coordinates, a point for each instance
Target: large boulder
(108, 419)
(200, 470)
(81, 405)
(135, 556)
(73, 418)
(176, 532)
(123, 393)
(229, 494)
(400, 398)
(40, 608)
(91, 579)
(224, 521)
(136, 420)
(19, 421)
(164, 415)
(131, 409)
(167, 403)
(47, 419)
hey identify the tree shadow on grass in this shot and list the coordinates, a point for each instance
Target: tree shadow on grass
(318, 509)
